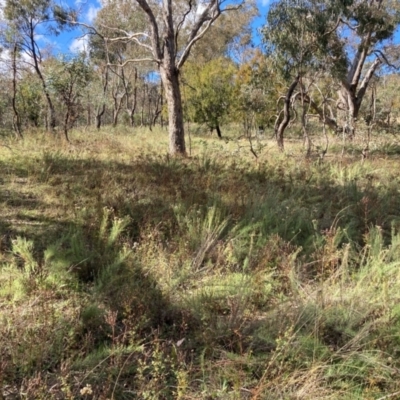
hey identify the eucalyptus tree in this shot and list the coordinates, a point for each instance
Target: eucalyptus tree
(317, 35)
(28, 19)
(373, 24)
(17, 118)
(108, 58)
(209, 76)
(172, 29)
(67, 79)
(297, 37)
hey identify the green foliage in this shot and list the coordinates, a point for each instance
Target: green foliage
(67, 79)
(301, 35)
(21, 13)
(256, 89)
(208, 91)
(30, 99)
(306, 34)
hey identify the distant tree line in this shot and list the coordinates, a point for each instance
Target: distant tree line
(334, 60)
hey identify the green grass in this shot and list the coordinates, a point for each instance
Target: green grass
(128, 274)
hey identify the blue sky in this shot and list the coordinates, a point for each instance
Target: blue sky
(72, 42)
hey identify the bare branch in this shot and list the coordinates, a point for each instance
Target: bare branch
(128, 37)
(189, 46)
(379, 53)
(181, 22)
(89, 27)
(210, 14)
(132, 60)
(353, 28)
(155, 37)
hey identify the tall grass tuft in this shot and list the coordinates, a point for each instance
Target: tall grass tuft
(125, 273)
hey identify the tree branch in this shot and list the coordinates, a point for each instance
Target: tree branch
(380, 53)
(154, 37)
(367, 78)
(181, 22)
(132, 60)
(210, 14)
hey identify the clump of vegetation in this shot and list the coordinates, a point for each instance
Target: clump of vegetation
(125, 273)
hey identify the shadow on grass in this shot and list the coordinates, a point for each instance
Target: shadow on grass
(295, 203)
(300, 198)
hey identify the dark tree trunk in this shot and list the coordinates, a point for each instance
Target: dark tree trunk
(142, 123)
(281, 126)
(170, 79)
(52, 122)
(162, 104)
(16, 119)
(99, 115)
(66, 123)
(218, 131)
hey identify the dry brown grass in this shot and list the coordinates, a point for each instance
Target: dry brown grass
(128, 274)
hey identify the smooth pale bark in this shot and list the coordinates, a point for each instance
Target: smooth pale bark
(117, 82)
(352, 92)
(351, 96)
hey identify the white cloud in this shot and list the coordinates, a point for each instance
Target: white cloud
(39, 37)
(92, 13)
(24, 61)
(79, 45)
(2, 4)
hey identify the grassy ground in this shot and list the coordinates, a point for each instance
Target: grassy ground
(127, 274)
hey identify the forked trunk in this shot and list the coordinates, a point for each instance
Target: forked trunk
(170, 79)
(352, 91)
(281, 125)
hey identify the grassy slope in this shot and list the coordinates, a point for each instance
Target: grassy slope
(126, 274)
